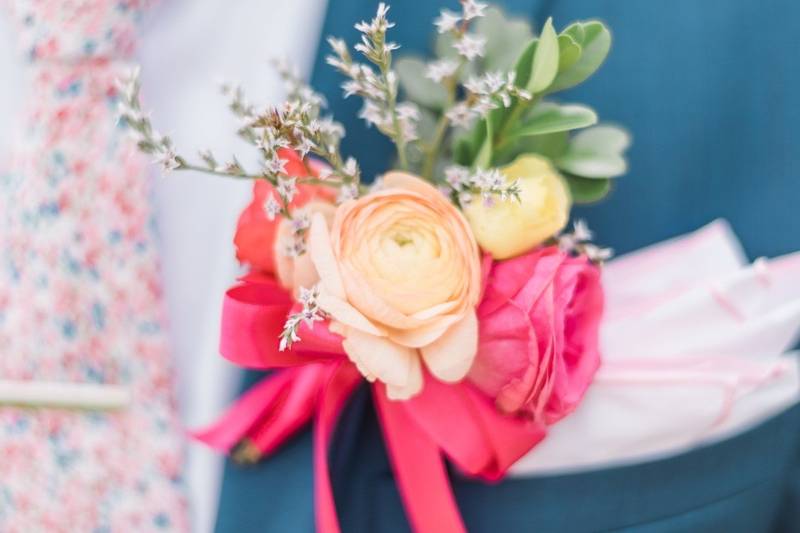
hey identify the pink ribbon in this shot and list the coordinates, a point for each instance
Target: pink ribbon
(316, 380)
(253, 314)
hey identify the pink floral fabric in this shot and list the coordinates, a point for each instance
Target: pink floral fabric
(80, 299)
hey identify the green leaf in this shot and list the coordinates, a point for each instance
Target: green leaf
(418, 88)
(484, 158)
(595, 42)
(468, 147)
(586, 191)
(498, 116)
(524, 64)
(596, 153)
(545, 60)
(569, 51)
(551, 118)
(462, 151)
(575, 30)
(551, 146)
(605, 138)
(505, 38)
(592, 165)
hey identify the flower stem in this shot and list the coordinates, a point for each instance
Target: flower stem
(520, 106)
(206, 170)
(316, 181)
(432, 153)
(391, 98)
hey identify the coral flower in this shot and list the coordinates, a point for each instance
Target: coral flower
(400, 276)
(260, 240)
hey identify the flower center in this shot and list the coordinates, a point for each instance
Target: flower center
(402, 239)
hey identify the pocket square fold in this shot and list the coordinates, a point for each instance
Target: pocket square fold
(695, 350)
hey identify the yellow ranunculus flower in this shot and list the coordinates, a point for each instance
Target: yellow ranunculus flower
(510, 228)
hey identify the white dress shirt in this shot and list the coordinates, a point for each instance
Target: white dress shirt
(186, 49)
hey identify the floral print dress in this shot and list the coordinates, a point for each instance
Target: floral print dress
(80, 298)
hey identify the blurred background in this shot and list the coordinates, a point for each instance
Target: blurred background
(190, 47)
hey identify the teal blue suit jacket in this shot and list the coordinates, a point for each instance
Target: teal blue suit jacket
(709, 90)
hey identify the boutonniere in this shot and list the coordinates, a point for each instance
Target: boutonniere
(450, 283)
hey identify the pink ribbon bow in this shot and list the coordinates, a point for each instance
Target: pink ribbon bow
(315, 381)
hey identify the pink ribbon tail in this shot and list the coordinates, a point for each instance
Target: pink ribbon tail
(277, 407)
(270, 412)
(343, 379)
(419, 470)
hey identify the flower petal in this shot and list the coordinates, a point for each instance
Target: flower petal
(321, 250)
(412, 388)
(378, 356)
(450, 357)
(403, 180)
(345, 313)
(255, 233)
(424, 335)
(436, 310)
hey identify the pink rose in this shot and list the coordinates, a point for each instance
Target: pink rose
(538, 333)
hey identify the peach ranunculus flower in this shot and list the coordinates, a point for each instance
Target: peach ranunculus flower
(400, 277)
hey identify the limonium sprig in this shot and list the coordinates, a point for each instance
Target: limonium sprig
(457, 120)
(320, 136)
(310, 313)
(491, 184)
(295, 124)
(447, 71)
(378, 89)
(298, 123)
(150, 141)
(484, 93)
(578, 241)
